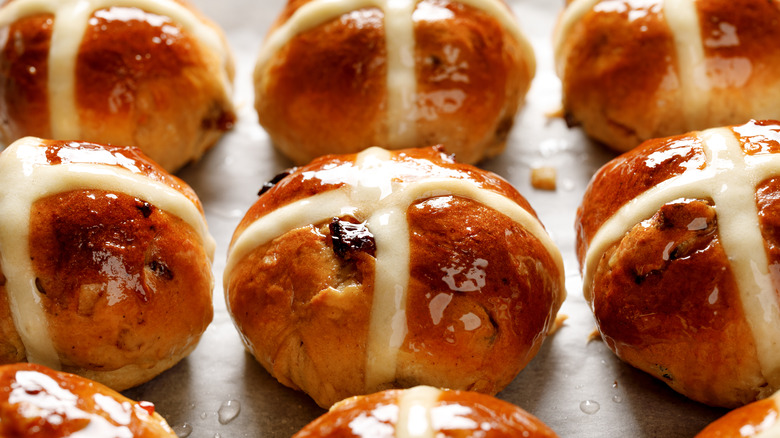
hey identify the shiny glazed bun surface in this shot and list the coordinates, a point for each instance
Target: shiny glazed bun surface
(756, 419)
(358, 273)
(427, 411)
(36, 401)
(679, 243)
(334, 79)
(106, 262)
(632, 71)
(152, 74)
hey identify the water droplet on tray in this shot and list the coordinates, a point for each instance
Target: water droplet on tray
(229, 411)
(617, 398)
(183, 430)
(590, 407)
(203, 415)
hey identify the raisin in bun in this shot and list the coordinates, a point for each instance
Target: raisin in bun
(679, 246)
(153, 74)
(336, 77)
(424, 411)
(757, 419)
(106, 262)
(358, 273)
(36, 401)
(633, 71)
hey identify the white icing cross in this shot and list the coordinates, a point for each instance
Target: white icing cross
(683, 20)
(400, 43)
(372, 192)
(24, 180)
(70, 25)
(415, 419)
(730, 179)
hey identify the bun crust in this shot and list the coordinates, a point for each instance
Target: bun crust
(459, 281)
(678, 240)
(37, 401)
(642, 71)
(463, 87)
(122, 274)
(150, 74)
(453, 413)
(755, 419)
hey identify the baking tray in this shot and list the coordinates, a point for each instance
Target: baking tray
(575, 384)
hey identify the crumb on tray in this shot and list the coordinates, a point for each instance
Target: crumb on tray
(559, 320)
(595, 335)
(543, 178)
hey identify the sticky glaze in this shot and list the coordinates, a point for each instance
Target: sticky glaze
(42, 397)
(400, 44)
(730, 179)
(70, 25)
(37, 401)
(373, 193)
(769, 426)
(26, 176)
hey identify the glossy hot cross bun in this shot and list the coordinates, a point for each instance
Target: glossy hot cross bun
(636, 70)
(150, 73)
(679, 246)
(358, 273)
(38, 402)
(106, 262)
(336, 77)
(426, 412)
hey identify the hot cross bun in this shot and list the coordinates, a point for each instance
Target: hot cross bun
(678, 243)
(636, 70)
(363, 272)
(153, 74)
(106, 261)
(336, 77)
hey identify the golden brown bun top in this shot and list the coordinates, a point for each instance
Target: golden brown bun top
(127, 157)
(40, 23)
(36, 401)
(454, 413)
(329, 172)
(464, 70)
(730, 28)
(369, 19)
(751, 20)
(630, 174)
(627, 176)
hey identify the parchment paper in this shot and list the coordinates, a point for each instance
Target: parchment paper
(579, 388)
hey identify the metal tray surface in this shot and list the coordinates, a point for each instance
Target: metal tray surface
(578, 387)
